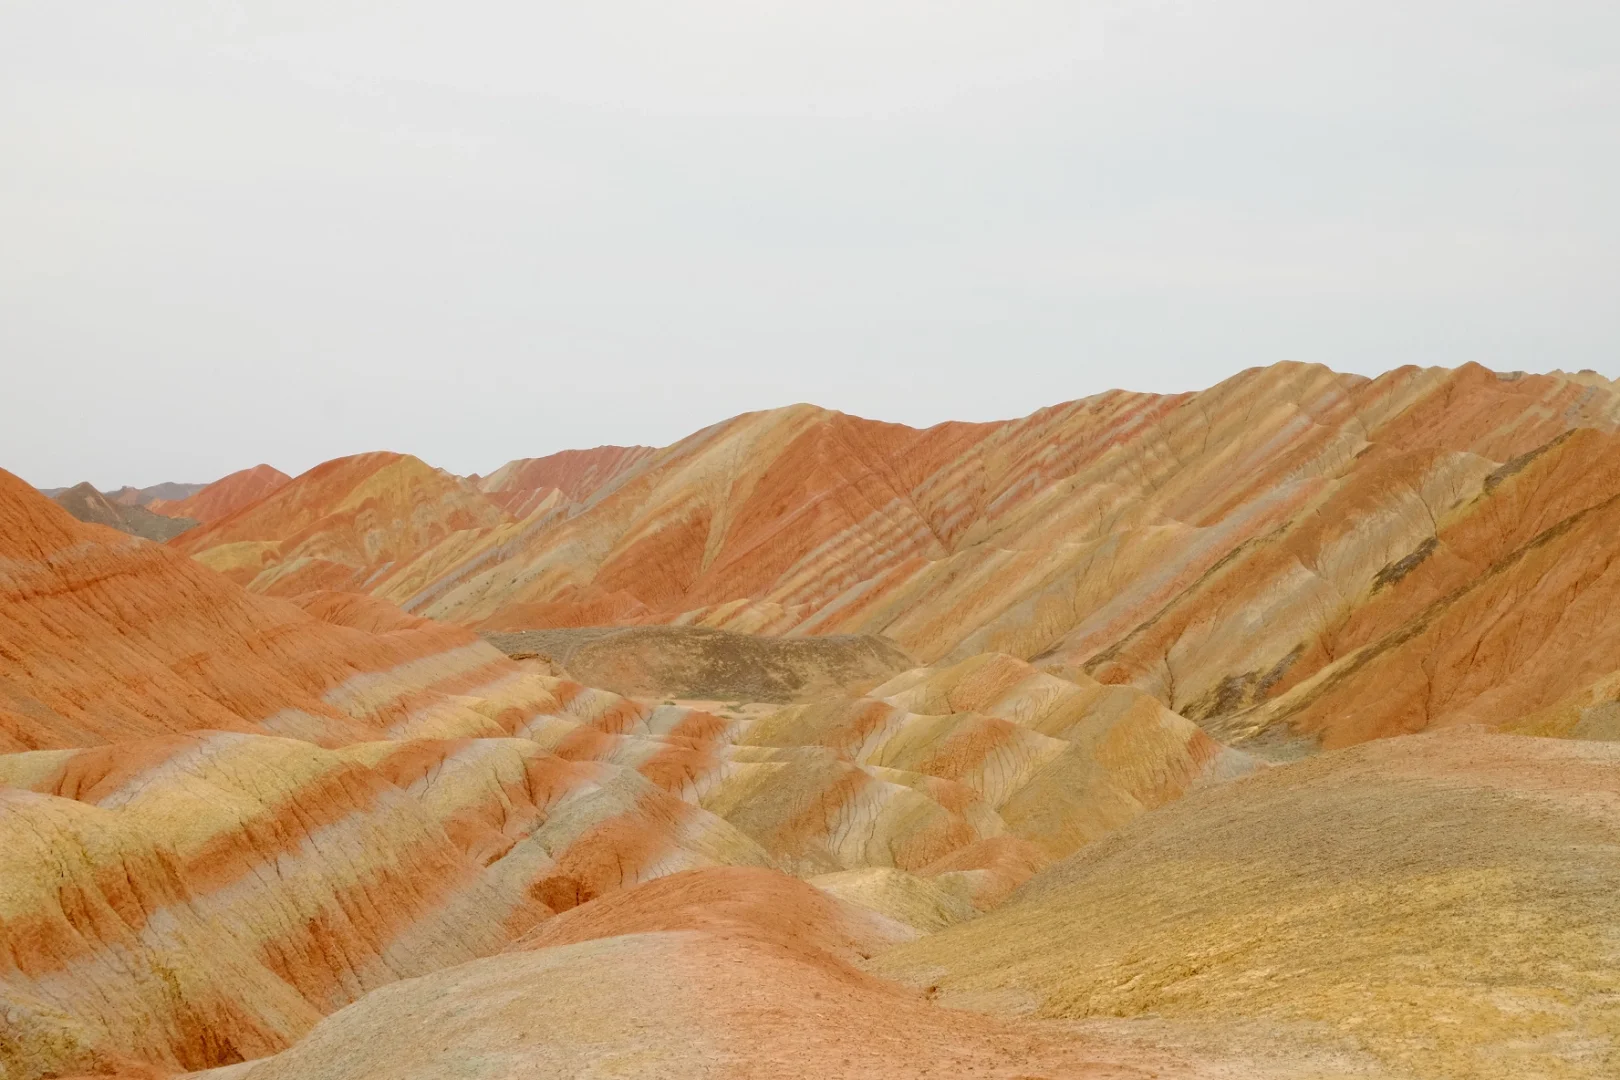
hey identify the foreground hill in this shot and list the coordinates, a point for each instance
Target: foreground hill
(1444, 902)
(711, 973)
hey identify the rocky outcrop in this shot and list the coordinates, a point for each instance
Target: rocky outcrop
(150, 497)
(701, 663)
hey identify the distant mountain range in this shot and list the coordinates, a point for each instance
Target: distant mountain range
(87, 504)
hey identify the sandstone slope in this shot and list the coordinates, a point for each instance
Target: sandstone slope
(1443, 902)
(718, 974)
(1256, 556)
(106, 637)
(567, 478)
(345, 525)
(224, 496)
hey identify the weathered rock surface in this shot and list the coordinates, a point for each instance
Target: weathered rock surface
(1443, 902)
(105, 637)
(347, 524)
(300, 822)
(704, 664)
(1295, 557)
(564, 479)
(716, 974)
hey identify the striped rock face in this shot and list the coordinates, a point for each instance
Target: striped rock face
(198, 900)
(226, 816)
(344, 525)
(106, 637)
(1294, 556)
(565, 479)
(224, 496)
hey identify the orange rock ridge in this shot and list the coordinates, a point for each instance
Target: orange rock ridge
(523, 486)
(346, 524)
(1238, 553)
(224, 496)
(107, 637)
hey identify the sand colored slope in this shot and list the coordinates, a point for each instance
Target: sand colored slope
(1503, 612)
(212, 906)
(342, 525)
(225, 890)
(1057, 762)
(717, 974)
(1443, 902)
(224, 496)
(195, 901)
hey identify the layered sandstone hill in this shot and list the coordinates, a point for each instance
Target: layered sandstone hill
(87, 504)
(224, 496)
(1295, 557)
(1443, 902)
(108, 637)
(564, 479)
(347, 525)
(230, 815)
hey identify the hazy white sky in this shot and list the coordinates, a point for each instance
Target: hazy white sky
(233, 233)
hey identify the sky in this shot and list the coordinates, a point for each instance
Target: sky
(284, 232)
